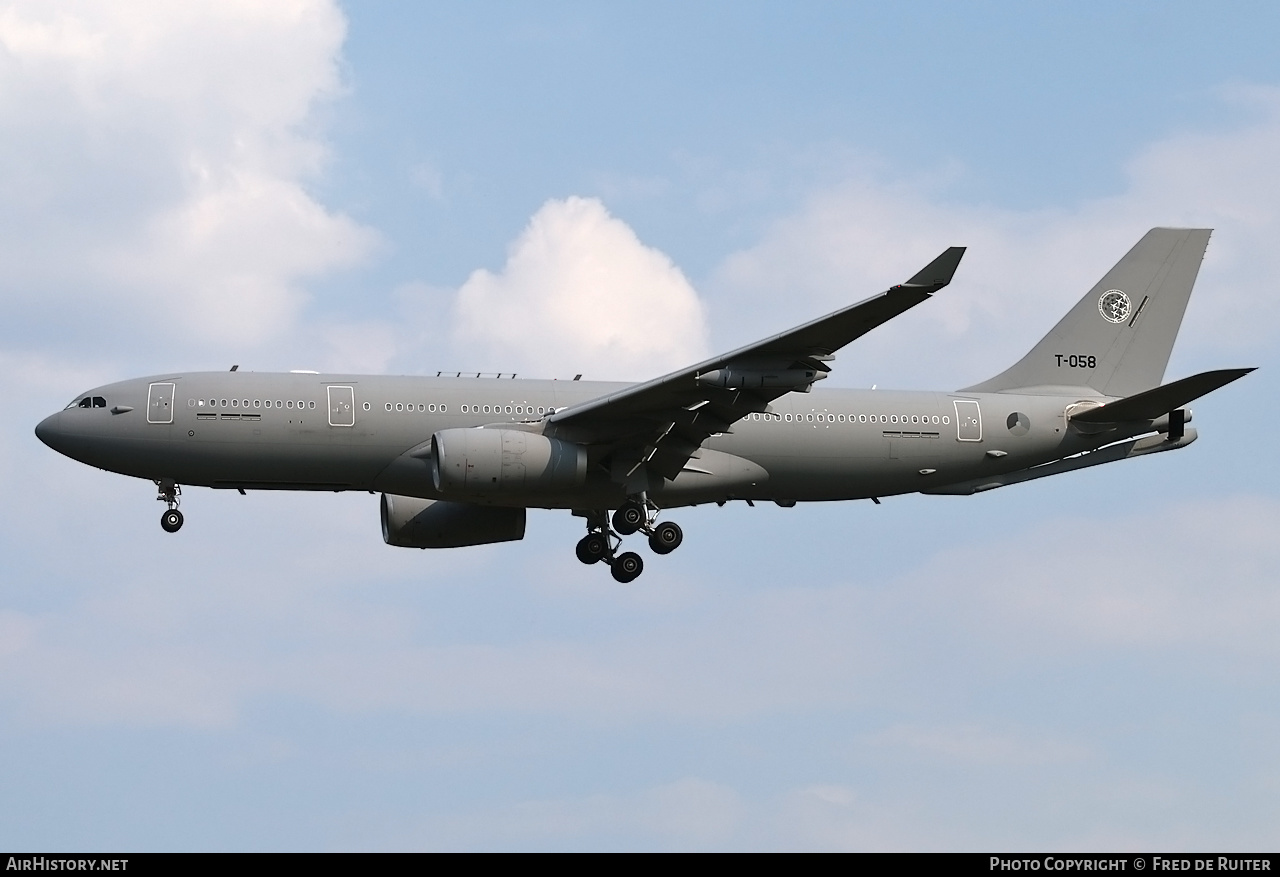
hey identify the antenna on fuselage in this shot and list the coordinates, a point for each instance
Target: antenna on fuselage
(234, 367)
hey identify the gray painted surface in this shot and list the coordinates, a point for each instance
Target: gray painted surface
(1117, 339)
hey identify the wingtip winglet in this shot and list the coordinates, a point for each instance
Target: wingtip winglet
(939, 272)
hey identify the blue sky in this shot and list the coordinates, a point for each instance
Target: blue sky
(1081, 662)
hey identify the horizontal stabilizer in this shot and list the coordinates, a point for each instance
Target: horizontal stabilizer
(1158, 402)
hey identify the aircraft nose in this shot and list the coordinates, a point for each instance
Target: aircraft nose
(50, 432)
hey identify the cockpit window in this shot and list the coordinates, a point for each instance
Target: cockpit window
(99, 402)
(88, 402)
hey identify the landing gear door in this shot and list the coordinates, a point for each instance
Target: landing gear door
(342, 406)
(968, 421)
(160, 403)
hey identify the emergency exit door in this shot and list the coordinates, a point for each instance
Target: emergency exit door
(160, 403)
(342, 406)
(968, 421)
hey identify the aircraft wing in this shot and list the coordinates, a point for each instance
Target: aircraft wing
(659, 424)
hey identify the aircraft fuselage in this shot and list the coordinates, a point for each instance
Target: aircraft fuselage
(371, 432)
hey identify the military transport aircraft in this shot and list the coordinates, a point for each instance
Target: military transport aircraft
(459, 459)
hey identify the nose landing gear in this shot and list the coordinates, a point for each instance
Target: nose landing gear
(171, 521)
(170, 495)
(602, 541)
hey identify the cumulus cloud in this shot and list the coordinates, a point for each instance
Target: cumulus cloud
(580, 293)
(156, 162)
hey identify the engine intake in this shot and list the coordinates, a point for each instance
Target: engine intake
(409, 522)
(487, 462)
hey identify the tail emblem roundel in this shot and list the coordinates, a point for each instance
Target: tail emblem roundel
(1114, 306)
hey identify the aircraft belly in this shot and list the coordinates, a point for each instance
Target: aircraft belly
(188, 460)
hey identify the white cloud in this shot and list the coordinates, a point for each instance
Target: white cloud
(581, 294)
(426, 176)
(156, 163)
(1024, 268)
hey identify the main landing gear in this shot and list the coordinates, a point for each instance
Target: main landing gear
(602, 541)
(170, 495)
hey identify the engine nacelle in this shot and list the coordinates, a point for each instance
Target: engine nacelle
(409, 522)
(503, 461)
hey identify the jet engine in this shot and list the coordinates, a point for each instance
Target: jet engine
(488, 462)
(409, 522)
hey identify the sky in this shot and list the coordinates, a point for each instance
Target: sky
(1079, 663)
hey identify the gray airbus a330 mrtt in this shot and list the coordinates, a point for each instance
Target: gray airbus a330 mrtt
(458, 459)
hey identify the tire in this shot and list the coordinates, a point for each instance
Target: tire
(628, 519)
(171, 521)
(592, 548)
(627, 567)
(666, 537)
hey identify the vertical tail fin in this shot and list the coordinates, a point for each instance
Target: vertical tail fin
(1117, 339)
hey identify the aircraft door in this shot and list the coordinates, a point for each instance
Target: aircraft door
(968, 421)
(342, 406)
(160, 403)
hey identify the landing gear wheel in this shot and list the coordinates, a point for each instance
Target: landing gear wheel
(592, 548)
(666, 538)
(627, 567)
(171, 521)
(630, 518)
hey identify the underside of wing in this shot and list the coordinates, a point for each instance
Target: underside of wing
(658, 425)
